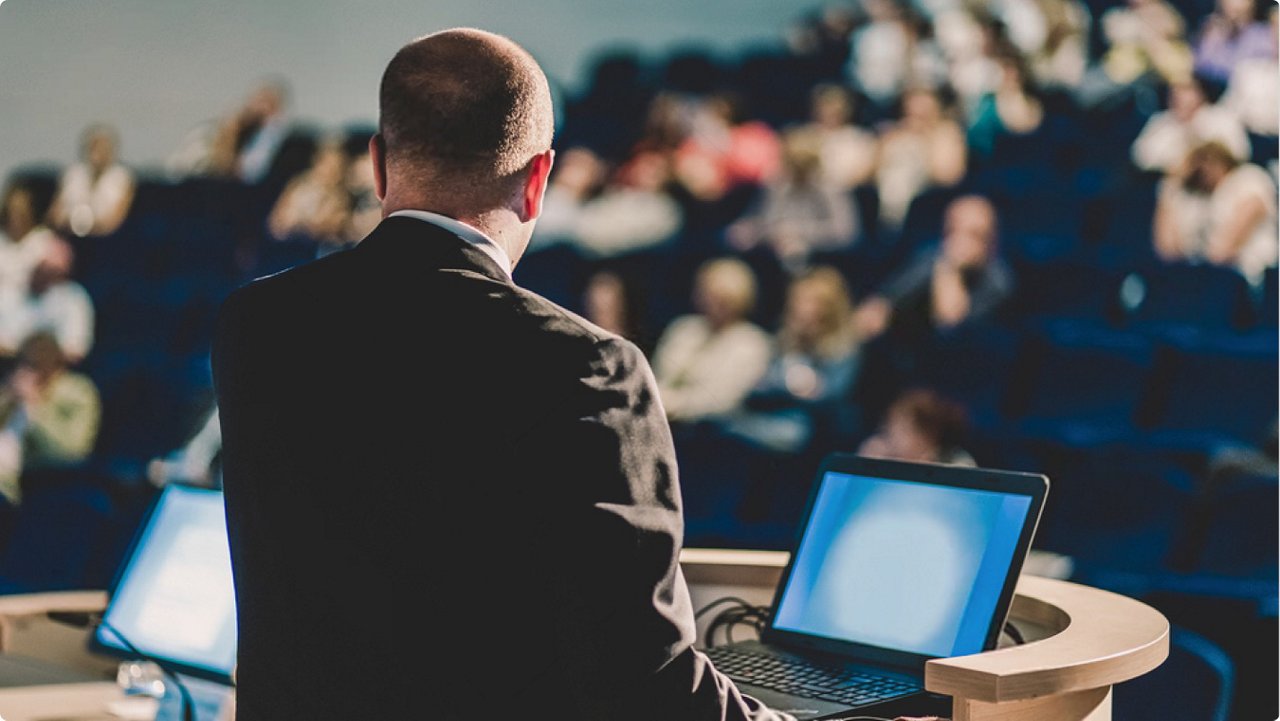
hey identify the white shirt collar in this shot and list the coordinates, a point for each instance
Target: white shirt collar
(468, 233)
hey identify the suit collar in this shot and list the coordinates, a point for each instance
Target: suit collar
(469, 233)
(413, 240)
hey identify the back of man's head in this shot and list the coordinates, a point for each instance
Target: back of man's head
(463, 111)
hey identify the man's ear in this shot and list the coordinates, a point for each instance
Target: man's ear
(378, 156)
(535, 187)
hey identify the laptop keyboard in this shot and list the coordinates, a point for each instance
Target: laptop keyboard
(808, 679)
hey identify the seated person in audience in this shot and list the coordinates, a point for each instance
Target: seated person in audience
(48, 415)
(847, 152)
(316, 204)
(921, 426)
(1013, 109)
(802, 211)
(1220, 210)
(1234, 32)
(632, 213)
(811, 375)
(1061, 61)
(242, 145)
(707, 363)
(1253, 92)
(1190, 121)
(613, 303)
(724, 151)
(366, 209)
(926, 148)
(1144, 36)
(957, 281)
(24, 242)
(54, 304)
(193, 463)
(94, 195)
(576, 178)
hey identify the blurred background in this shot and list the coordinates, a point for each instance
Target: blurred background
(1029, 234)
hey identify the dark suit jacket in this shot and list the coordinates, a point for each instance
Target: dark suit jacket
(449, 498)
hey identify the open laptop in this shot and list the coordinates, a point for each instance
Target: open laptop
(173, 598)
(895, 564)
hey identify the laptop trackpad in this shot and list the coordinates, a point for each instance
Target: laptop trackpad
(801, 708)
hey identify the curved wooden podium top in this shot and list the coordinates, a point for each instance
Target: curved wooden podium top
(1082, 640)
(1098, 638)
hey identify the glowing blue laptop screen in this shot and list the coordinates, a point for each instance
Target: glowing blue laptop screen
(175, 600)
(900, 565)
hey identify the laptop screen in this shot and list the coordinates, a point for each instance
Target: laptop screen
(906, 566)
(175, 600)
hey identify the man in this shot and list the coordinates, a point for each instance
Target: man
(960, 280)
(447, 497)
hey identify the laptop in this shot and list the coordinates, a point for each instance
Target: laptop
(173, 598)
(895, 564)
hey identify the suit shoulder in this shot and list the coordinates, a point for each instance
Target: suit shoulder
(553, 320)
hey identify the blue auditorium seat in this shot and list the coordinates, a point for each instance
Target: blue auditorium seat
(1195, 682)
(1269, 302)
(1067, 290)
(1188, 295)
(1114, 508)
(1084, 383)
(1214, 391)
(55, 534)
(1239, 538)
(974, 365)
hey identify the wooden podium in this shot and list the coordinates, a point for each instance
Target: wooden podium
(1080, 642)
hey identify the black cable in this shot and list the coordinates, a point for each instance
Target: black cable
(188, 706)
(719, 602)
(1014, 633)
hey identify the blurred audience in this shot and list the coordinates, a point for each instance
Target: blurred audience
(53, 304)
(811, 375)
(959, 280)
(706, 363)
(49, 415)
(316, 205)
(724, 150)
(632, 213)
(614, 304)
(576, 177)
(94, 195)
(802, 210)
(1014, 108)
(366, 209)
(1144, 37)
(846, 152)
(1234, 32)
(925, 149)
(24, 242)
(1189, 122)
(1253, 91)
(1218, 209)
(1062, 58)
(921, 426)
(244, 144)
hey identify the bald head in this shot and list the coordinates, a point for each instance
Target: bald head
(463, 109)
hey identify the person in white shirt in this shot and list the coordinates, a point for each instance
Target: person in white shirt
(54, 304)
(95, 194)
(23, 243)
(1190, 121)
(1219, 210)
(707, 363)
